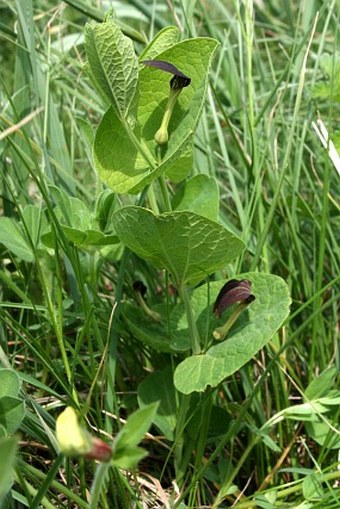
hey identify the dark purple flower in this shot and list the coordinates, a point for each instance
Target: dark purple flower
(179, 80)
(233, 291)
(177, 83)
(165, 66)
(141, 290)
(139, 287)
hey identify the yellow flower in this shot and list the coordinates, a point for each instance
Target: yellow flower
(71, 437)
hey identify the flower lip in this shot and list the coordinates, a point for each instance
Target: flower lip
(233, 291)
(165, 66)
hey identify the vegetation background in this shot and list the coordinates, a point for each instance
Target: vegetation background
(275, 77)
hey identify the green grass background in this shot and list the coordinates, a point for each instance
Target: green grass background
(279, 191)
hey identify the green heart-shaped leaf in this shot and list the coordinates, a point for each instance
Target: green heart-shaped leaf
(188, 246)
(9, 383)
(12, 412)
(126, 160)
(112, 65)
(13, 238)
(263, 317)
(77, 222)
(182, 167)
(199, 194)
(165, 38)
(159, 386)
(8, 447)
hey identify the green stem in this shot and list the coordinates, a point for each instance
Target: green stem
(285, 492)
(33, 491)
(162, 135)
(47, 482)
(153, 200)
(221, 332)
(98, 485)
(232, 431)
(226, 485)
(98, 481)
(167, 207)
(141, 148)
(35, 474)
(113, 340)
(195, 339)
(156, 317)
(179, 438)
(56, 318)
(207, 404)
(319, 322)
